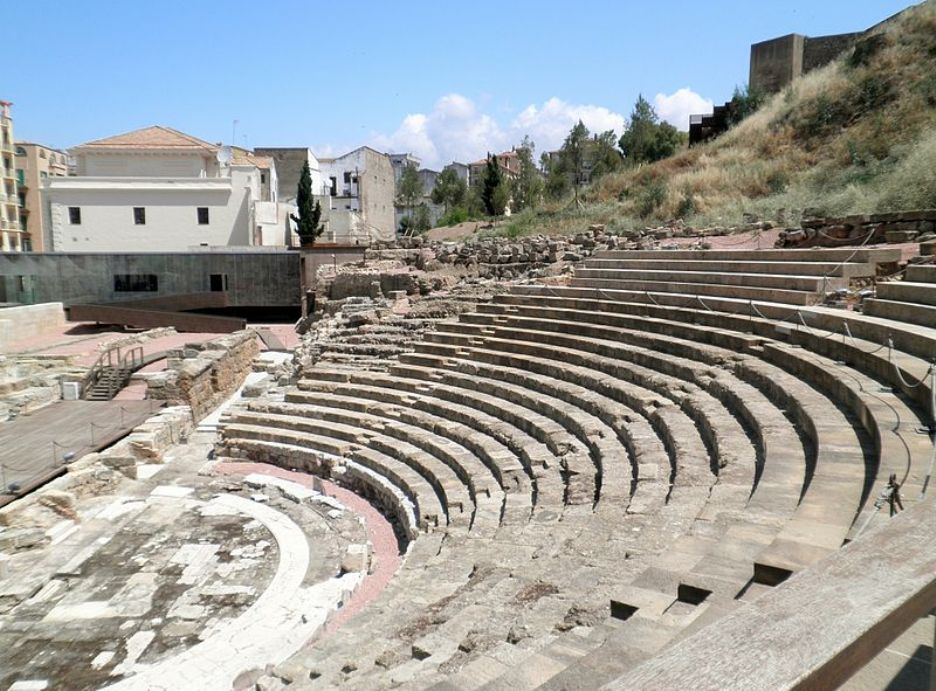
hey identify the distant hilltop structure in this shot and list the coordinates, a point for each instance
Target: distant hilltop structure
(774, 64)
(778, 61)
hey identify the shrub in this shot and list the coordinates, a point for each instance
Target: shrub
(652, 197)
(454, 217)
(778, 181)
(865, 50)
(687, 205)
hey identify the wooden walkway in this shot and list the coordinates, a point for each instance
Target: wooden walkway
(32, 446)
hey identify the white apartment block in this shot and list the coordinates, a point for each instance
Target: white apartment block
(160, 190)
(357, 197)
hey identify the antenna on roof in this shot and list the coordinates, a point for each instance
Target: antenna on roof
(225, 156)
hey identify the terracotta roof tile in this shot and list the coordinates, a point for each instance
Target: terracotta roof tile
(249, 159)
(155, 137)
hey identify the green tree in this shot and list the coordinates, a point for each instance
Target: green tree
(422, 219)
(744, 101)
(410, 187)
(449, 191)
(573, 156)
(307, 223)
(556, 182)
(568, 168)
(490, 184)
(604, 156)
(646, 138)
(527, 188)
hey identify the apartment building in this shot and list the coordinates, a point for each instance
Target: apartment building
(12, 236)
(35, 163)
(156, 190)
(357, 197)
(507, 161)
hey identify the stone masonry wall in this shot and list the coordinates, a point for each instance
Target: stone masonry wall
(203, 375)
(896, 227)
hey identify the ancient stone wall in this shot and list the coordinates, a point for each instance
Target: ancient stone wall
(900, 226)
(203, 375)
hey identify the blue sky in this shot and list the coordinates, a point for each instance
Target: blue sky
(445, 80)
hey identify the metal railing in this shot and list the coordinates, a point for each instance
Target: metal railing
(114, 365)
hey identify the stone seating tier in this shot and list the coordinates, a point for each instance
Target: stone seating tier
(583, 475)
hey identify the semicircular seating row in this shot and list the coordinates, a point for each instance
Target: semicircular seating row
(583, 474)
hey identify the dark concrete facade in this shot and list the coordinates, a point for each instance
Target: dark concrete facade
(255, 279)
(778, 61)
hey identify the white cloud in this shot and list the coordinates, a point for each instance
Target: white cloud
(677, 107)
(549, 124)
(456, 130)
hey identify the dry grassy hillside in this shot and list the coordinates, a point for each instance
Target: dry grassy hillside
(856, 136)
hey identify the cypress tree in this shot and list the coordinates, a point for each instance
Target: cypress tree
(310, 211)
(492, 180)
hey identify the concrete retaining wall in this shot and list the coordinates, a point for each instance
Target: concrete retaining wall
(27, 321)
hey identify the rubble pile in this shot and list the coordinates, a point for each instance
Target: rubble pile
(368, 332)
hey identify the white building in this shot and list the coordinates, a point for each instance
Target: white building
(357, 197)
(157, 190)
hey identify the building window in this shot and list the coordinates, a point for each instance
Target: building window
(262, 178)
(136, 283)
(202, 215)
(219, 283)
(139, 215)
(42, 153)
(334, 185)
(347, 177)
(74, 215)
(20, 151)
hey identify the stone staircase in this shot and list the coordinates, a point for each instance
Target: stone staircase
(912, 300)
(581, 476)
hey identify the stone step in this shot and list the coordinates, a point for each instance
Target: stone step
(526, 454)
(906, 291)
(451, 492)
(351, 475)
(877, 255)
(913, 344)
(493, 506)
(773, 435)
(610, 439)
(910, 312)
(901, 446)
(786, 268)
(429, 511)
(552, 425)
(810, 284)
(839, 475)
(484, 491)
(691, 291)
(921, 273)
(774, 498)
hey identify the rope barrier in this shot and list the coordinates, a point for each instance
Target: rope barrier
(855, 342)
(890, 358)
(825, 276)
(802, 319)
